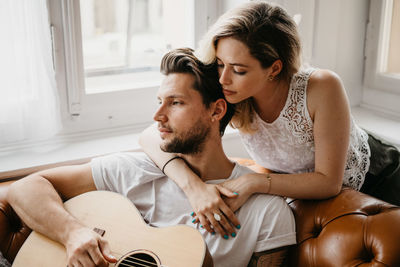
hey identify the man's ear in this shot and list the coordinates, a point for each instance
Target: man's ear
(218, 109)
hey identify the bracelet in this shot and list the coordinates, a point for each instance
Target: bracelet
(269, 178)
(171, 159)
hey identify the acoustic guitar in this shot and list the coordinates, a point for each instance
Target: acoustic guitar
(131, 240)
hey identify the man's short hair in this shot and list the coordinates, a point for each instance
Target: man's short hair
(182, 60)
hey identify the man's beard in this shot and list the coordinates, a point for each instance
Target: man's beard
(191, 142)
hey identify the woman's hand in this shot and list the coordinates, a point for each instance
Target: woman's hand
(242, 186)
(224, 199)
(206, 201)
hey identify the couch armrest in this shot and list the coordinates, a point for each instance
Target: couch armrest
(13, 231)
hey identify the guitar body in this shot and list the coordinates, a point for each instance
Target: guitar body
(131, 240)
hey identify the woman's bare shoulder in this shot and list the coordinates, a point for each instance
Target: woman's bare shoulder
(324, 86)
(324, 77)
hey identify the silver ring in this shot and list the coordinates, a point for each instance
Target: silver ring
(217, 217)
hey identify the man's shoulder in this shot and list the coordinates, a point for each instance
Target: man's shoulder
(128, 159)
(272, 208)
(134, 155)
(240, 170)
(122, 170)
(125, 156)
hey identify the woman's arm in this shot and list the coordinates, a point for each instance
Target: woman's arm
(329, 109)
(204, 198)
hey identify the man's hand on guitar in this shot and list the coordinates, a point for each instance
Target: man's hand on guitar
(87, 248)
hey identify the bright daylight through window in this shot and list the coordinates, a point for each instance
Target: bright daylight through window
(123, 42)
(382, 58)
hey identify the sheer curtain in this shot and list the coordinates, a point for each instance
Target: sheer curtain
(29, 108)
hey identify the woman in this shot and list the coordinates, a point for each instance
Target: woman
(293, 121)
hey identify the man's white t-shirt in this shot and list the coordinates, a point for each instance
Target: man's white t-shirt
(266, 220)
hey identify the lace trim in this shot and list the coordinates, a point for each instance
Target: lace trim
(358, 154)
(296, 115)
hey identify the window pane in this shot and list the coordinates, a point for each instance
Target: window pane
(394, 45)
(123, 41)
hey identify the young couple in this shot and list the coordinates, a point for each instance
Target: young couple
(293, 121)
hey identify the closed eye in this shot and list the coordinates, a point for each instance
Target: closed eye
(221, 66)
(239, 72)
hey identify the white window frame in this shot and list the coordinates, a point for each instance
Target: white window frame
(83, 112)
(381, 91)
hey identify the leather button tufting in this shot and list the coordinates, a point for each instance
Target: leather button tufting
(374, 209)
(316, 230)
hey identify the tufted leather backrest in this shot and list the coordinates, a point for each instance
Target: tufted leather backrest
(351, 229)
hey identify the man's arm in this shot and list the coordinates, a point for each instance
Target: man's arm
(270, 258)
(38, 200)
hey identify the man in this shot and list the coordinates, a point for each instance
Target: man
(191, 118)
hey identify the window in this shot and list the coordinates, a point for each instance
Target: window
(124, 41)
(393, 64)
(107, 56)
(382, 66)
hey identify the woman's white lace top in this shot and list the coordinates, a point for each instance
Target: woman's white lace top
(287, 144)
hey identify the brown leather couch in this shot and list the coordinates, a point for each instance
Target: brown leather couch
(351, 229)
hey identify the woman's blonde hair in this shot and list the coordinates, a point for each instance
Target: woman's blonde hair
(270, 34)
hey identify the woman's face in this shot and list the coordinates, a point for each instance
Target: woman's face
(240, 74)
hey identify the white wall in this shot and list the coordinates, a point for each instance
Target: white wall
(339, 41)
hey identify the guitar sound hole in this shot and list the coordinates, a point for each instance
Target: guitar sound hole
(139, 259)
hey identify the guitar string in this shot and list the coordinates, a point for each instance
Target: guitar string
(136, 264)
(123, 264)
(119, 255)
(129, 257)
